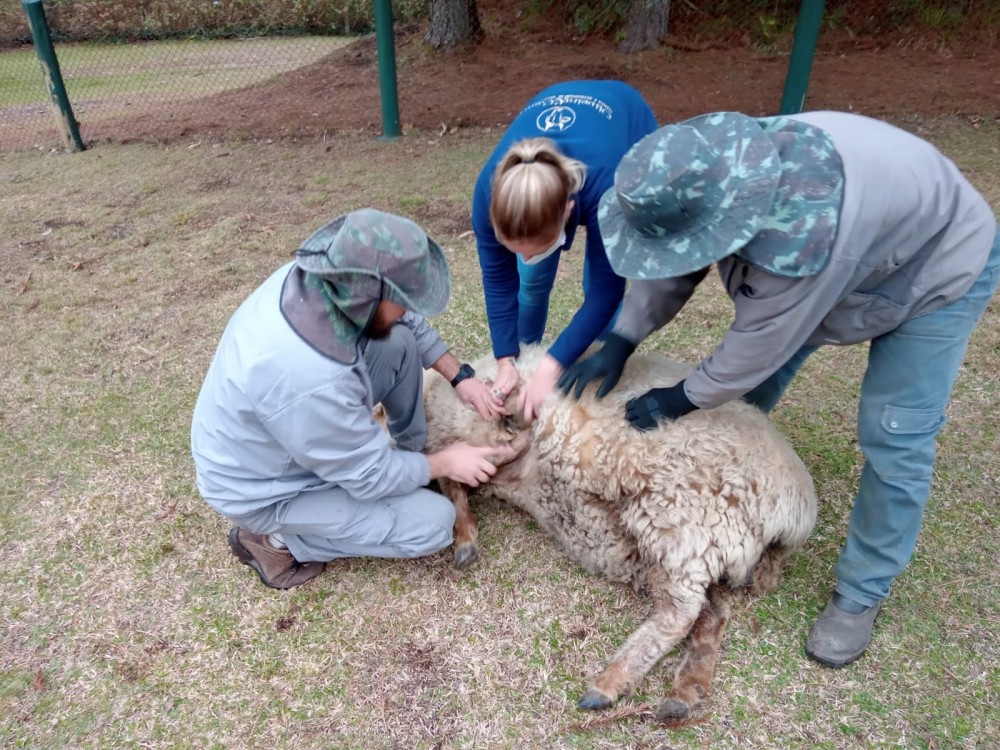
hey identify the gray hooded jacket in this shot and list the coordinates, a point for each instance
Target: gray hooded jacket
(276, 416)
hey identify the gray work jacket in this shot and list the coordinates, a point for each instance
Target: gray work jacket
(275, 417)
(913, 235)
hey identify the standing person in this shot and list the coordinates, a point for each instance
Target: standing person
(283, 438)
(542, 182)
(828, 228)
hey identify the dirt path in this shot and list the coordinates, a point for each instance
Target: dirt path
(485, 85)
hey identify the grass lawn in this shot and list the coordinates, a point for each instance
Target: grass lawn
(104, 80)
(127, 624)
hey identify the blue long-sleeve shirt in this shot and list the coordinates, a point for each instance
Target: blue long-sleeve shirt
(595, 122)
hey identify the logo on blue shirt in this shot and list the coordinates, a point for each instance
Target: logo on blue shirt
(555, 119)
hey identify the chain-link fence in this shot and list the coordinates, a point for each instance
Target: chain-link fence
(120, 59)
(109, 82)
(128, 58)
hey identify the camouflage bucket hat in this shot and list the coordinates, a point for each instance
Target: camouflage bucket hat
(367, 249)
(797, 236)
(688, 195)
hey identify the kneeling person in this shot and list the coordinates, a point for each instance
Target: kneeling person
(283, 438)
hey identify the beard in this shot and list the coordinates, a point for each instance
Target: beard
(378, 330)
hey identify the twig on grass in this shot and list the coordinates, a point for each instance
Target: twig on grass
(603, 719)
(642, 710)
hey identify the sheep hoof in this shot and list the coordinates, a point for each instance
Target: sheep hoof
(594, 700)
(466, 554)
(672, 709)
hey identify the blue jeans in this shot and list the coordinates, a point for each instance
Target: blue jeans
(910, 374)
(767, 395)
(533, 298)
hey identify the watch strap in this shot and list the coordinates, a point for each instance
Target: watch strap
(464, 373)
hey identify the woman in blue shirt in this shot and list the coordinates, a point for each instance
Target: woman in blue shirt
(542, 182)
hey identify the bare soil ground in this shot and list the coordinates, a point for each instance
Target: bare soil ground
(486, 84)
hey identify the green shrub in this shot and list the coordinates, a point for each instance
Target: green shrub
(760, 22)
(129, 20)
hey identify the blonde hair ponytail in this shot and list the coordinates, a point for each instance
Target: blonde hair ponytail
(531, 185)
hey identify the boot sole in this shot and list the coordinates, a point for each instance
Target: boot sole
(834, 664)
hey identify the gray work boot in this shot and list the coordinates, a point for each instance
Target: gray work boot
(842, 632)
(276, 567)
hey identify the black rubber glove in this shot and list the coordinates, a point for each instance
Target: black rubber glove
(660, 403)
(607, 363)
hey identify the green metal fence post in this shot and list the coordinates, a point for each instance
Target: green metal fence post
(800, 63)
(65, 120)
(385, 44)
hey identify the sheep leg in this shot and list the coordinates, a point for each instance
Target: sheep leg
(694, 675)
(767, 573)
(695, 672)
(673, 614)
(466, 531)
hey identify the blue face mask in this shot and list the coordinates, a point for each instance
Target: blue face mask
(536, 259)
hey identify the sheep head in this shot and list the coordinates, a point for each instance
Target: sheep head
(510, 431)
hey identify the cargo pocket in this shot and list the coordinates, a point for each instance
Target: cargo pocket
(899, 420)
(907, 447)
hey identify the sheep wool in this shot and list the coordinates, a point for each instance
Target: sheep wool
(689, 513)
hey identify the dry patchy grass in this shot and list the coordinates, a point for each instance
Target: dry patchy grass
(128, 624)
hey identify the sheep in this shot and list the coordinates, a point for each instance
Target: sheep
(689, 513)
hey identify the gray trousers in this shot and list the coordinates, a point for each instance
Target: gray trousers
(327, 524)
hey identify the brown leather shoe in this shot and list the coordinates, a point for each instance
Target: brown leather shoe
(276, 567)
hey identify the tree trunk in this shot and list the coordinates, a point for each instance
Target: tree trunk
(647, 25)
(453, 22)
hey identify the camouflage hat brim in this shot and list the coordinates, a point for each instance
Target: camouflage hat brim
(688, 195)
(435, 297)
(411, 267)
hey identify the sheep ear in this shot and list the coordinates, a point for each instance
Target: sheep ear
(521, 465)
(513, 474)
(510, 403)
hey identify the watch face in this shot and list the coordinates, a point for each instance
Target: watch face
(464, 373)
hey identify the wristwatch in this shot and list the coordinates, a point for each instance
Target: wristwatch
(464, 373)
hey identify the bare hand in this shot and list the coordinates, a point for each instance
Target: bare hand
(506, 380)
(477, 395)
(538, 388)
(468, 464)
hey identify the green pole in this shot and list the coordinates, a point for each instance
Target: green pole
(800, 63)
(53, 77)
(387, 69)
